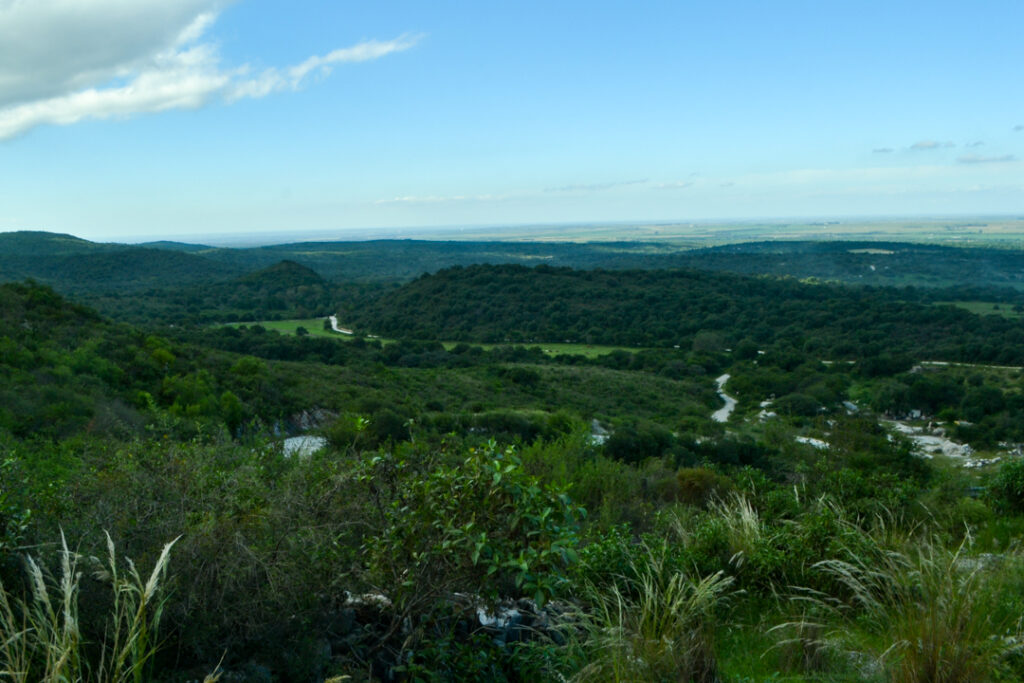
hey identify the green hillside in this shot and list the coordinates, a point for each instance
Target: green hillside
(167, 265)
(37, 243)
(593, 495)
(77, 266)
(686, 308)
(282, 275)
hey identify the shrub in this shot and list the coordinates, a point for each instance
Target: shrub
(635, 442)
(698, 486)
(482, 526)
(349, 432)
(13, 517)
(1007, 486)
(797, 405)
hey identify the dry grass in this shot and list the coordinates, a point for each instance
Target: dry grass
(40, 637)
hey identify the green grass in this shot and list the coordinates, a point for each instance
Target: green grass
(558, 349)
(656, 627)
(989, 231)
(588, 350)
(984, 308)
(914, 609)
(315, 327)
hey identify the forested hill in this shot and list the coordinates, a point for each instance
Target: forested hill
(37, 243)
(78, 266)
(686, 307)
(283, 274)
(283, 290)
(65, 371)
(877, 263)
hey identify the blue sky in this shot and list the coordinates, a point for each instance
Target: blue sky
(132, 119)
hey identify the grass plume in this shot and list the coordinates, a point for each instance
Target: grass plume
(920, 612)
(40, 636)
(655, 626)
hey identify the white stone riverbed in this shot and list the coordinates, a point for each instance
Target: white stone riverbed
(723, 413)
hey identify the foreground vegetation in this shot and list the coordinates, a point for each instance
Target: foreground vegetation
(490, 511)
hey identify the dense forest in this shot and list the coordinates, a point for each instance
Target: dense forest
(711, 311)
(78, 266)
(461, 498)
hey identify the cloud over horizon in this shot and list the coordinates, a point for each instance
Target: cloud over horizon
(61, 64)
(979, 159)
(438, 199)
(595, 187)
(923, 145)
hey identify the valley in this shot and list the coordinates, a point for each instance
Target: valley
(396, 475)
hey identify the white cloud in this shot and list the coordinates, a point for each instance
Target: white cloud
(50, 48)
(965, 177)
(981, 159)
(595, 187)
(365, 51)
(292, 78)
(64, 61)
(436, 199)
(848, 176)
(930, 144)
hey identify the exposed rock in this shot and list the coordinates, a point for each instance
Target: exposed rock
(309, 419)
(811, 441)
(303, 446)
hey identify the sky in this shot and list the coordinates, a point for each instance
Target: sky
(130, 120)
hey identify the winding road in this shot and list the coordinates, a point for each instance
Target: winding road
(334, 325)
(723, 413)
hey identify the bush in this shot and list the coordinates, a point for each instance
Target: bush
(699, 486)
(636, 441)
(482, 527)
(1007, 486)
(13, 517)
(349, 432)
(797, 405)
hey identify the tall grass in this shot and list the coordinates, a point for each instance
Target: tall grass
(654, 626)
(743, 527)
(40, 636)
(921, 612)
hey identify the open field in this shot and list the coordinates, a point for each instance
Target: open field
(561, 349)
(985, 308)
(315, 327)
(962, 231)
